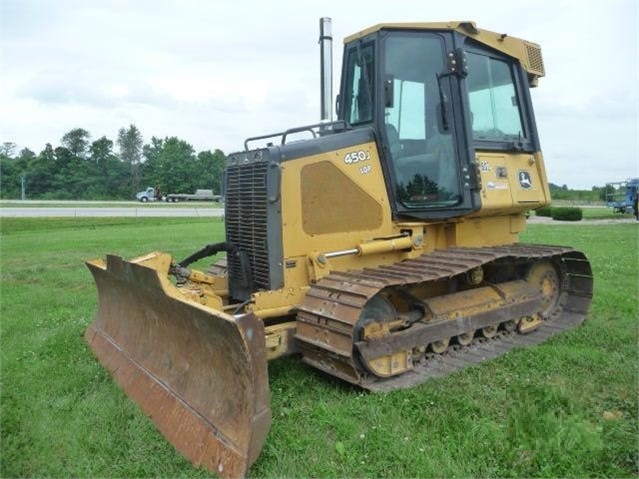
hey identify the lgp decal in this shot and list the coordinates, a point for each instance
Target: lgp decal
(524, 180)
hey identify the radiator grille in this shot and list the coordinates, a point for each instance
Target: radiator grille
(535, 60)
(246, 219)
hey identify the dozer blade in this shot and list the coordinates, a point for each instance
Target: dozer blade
(200, 374)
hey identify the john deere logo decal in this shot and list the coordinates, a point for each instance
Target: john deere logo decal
(524, 180)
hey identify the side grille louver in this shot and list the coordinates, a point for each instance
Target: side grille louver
(246, 220)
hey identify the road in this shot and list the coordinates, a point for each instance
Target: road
(87, 212)
(106, 209)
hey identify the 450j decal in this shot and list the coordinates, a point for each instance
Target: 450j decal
(357, 156)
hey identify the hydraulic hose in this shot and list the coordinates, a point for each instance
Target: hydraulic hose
(208, 250)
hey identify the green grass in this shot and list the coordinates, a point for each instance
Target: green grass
(604, 213)
(538, 412)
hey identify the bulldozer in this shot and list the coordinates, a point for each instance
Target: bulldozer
(382, 247)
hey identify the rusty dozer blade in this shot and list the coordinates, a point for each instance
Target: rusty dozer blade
(200, 374)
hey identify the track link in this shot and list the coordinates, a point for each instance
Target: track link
(327, 320)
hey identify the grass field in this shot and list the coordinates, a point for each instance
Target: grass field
(604, 213)
(566, 408)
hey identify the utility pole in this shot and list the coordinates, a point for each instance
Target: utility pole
(22, 187)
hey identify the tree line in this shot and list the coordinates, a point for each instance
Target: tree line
(82, 169)
(596, 193)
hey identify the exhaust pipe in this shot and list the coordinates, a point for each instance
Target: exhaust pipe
(326, 69)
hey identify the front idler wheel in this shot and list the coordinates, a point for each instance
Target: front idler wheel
(543, 275)
(377, 320)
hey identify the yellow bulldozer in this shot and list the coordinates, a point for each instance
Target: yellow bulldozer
(381, 247)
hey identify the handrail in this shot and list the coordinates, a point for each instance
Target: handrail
(322, 126)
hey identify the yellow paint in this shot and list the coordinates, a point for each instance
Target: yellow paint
(280, 340)
(501, 192)
(528, 53)
(269, 304)
(296, 240)
(392, 364)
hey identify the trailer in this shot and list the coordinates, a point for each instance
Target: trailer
(199, 195)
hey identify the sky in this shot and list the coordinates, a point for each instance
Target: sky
(214, 73)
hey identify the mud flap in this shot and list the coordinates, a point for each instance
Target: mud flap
(200, 374)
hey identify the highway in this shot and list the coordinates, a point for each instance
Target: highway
(145, 211)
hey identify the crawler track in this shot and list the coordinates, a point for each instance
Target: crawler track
(328, 318)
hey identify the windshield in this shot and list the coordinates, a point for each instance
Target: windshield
(423, 155)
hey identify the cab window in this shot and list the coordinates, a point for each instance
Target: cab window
(359, 93)
(495, 107)
(422, 153)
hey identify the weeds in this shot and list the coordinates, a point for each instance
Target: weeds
(565, 408)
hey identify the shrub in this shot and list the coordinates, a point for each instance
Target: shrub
(543, 211)
(567, 214)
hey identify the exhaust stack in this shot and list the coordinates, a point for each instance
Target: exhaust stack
(326, 69)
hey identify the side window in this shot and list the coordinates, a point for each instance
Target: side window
(495, 108)
(358, 107)
(408, 112)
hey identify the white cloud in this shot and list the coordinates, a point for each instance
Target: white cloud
(214, 73)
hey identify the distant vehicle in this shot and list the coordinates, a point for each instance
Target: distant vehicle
(622, 194)
(199, 195)
(148, 195)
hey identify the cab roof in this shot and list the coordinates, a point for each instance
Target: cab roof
(528, 53)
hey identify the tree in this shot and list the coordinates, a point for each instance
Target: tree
(150, 168)
(111, 172)
(47, 154)
(130, 144)
(177, 166)
(172, 165)
(7, 149)
(39, 173)
(26, 154)
(84, 169)
(211, 167)
(76, 141)
(101, 150)
(607, 192)
(68, 168)
(102, 156)
(9, 187)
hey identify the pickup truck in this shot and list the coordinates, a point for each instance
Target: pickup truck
(199, 195)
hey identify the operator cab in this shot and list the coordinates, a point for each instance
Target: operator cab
(434, 96)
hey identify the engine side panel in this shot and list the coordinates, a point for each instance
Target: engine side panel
(511, 183)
